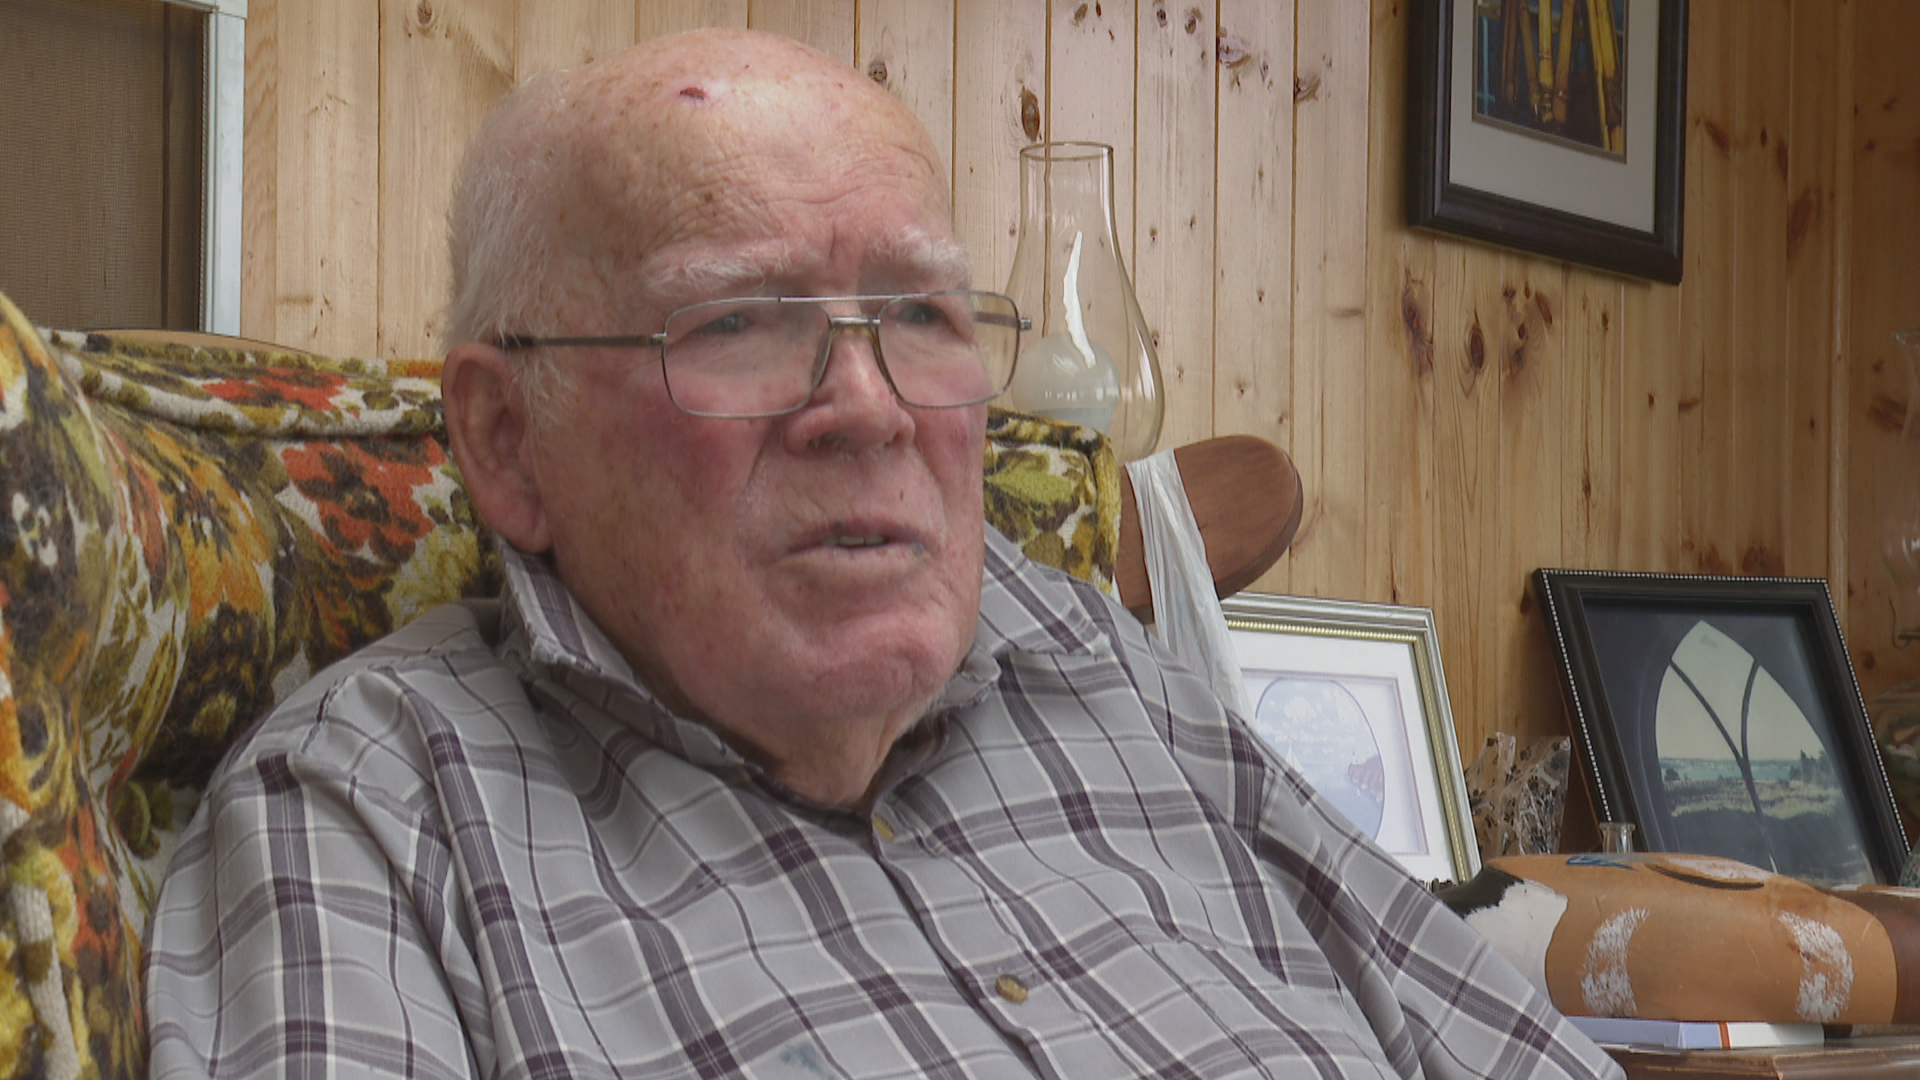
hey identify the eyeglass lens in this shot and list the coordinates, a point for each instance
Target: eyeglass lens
(762, 357)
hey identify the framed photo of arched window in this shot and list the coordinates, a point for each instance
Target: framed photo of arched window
(1720, 716)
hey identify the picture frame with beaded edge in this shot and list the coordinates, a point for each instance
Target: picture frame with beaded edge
(1617, 639)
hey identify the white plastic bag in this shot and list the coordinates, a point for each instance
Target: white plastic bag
(1186, 614)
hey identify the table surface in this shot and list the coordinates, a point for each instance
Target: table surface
(1866, 1058)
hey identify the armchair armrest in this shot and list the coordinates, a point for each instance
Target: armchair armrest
(1247, 499)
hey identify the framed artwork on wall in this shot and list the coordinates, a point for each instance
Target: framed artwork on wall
(1353, 697)
(1552, 126)
(1720, 716)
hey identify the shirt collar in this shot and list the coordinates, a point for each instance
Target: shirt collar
(1029, 608)
(1024, 608)
(548, 626)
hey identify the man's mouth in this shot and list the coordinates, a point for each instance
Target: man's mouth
(860, 535)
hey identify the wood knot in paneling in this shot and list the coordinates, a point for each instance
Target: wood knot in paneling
(1762, 561)
(1885, 412)
(1419, 335)
(1231, 49)
(1718, 136)
(1806, 211)
(1029, 115)
(877, 70)
(1712, 562)
(1236, 54)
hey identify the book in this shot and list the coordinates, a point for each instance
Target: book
(1695, 1034)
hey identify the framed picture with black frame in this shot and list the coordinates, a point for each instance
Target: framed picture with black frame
(1556, 127)
(1720, 716)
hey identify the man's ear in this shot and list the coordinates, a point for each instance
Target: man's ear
(492, 440)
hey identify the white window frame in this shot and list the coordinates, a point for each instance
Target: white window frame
(226, 124)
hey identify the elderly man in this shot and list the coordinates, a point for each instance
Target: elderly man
(769, 762)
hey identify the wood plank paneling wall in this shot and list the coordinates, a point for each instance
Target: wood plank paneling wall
(1461, 415)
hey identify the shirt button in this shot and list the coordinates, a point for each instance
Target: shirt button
(880, 826)
(1011, 988)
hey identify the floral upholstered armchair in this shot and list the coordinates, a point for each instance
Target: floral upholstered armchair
(186, 534)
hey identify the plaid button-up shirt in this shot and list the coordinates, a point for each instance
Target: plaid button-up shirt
(481, 848)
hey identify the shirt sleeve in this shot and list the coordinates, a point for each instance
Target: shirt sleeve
(1432, 989)
(308, 924)
(1442, 1003)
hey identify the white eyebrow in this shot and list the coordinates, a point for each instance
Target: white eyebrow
(915, 252)
(731, 275)
(928, 256)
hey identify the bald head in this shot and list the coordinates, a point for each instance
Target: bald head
(581, 180)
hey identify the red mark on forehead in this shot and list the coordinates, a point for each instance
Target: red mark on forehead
(693, 93)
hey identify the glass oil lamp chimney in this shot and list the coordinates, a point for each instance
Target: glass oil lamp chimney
(1090, 359)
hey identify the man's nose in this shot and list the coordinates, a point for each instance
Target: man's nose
(854, 403)
(854, 361)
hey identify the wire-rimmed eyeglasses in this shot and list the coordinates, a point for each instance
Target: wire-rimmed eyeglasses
(764, 356)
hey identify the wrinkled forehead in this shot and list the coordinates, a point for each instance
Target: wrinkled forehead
(710, 140)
